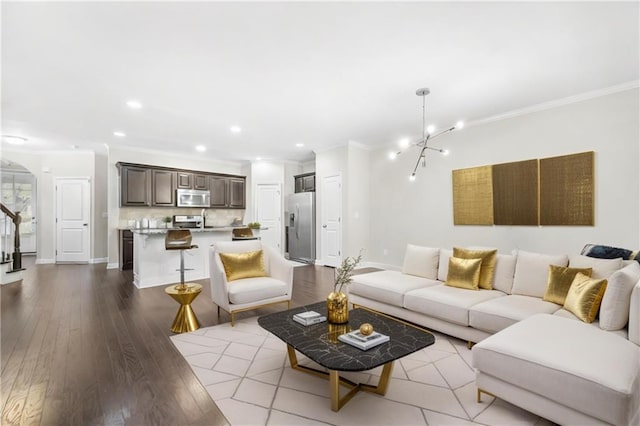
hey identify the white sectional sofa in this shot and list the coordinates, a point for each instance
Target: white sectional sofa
(518, 331)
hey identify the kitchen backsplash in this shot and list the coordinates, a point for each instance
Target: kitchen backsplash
(213, 217)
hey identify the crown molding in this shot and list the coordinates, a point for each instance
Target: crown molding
(630, 85)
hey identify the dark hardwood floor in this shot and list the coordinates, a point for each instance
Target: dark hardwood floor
(81, 345)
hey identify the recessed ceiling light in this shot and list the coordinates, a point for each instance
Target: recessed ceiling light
(133, 104)
(235, 129)
(119, 134)
(299, 145)
(258, 158)
(201, 148)
(14, 140)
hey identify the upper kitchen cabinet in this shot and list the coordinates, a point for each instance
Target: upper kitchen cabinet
(305, 182)
(187, 180)
(135, 185)
(227, 192)
(236, 193)
(163, 193)
(218, 187)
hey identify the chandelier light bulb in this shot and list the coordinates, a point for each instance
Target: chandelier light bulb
(431, 128)
(459, 124)
(392, 155)
(404, 143)
(412, 177)
(445, 152)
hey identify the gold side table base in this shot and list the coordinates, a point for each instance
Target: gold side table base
(335, 381)
(185, 320)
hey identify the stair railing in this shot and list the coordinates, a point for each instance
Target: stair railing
(16, 219)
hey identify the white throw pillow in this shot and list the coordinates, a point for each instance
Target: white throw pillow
(602, 268)
(421, 261)
(505, 270)
(614, 309)
(532, 272)
(443, 267)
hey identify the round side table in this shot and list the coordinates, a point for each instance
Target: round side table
(185, 320)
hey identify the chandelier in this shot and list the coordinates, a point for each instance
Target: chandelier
(428, 134)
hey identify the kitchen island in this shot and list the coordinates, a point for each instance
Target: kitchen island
(153, 265)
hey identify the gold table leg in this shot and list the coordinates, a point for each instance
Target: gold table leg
(335, 381)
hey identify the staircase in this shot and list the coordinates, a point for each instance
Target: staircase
(11, 262)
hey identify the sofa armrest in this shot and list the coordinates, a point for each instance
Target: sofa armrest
(218, 280)
(634, 315)
(280, 268)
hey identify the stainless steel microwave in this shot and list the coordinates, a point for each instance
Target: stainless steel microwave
(193, 198)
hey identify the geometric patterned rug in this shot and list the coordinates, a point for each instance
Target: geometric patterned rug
(246, 371)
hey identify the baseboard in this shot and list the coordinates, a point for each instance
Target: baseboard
(113, 265)
(99, 260)
(45, 261)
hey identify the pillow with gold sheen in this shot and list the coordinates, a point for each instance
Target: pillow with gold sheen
(464, 273)
(243, 265)
(488, 266)
(584, 297)
(559, 281)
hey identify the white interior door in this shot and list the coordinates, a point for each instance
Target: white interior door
(73, 207)
(331, 232)
(269, 214)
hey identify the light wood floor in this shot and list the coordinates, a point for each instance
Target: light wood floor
(82, 346)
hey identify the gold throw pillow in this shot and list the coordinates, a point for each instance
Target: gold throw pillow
(559, 281)
(464, 273)
(243, 265)
(584, 297)
(488, 267)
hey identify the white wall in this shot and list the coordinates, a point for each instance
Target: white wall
(358, 210)
(421, 212)
(48, 166)
(156, 159)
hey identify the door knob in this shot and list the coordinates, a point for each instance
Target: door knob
(85, 224)
(324, 226)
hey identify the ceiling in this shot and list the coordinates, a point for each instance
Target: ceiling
(318, 74)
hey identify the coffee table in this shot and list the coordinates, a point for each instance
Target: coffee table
(320, 344)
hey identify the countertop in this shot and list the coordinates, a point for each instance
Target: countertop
(164, 230)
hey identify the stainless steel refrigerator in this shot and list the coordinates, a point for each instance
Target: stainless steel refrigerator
(301, 211)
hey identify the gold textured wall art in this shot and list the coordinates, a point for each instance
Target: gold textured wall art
(515, 193)
(567, 190)
(473, 196)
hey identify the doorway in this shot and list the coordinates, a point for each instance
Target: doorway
(269, 214)
(19, 194)
(331, 232)
(73, 208)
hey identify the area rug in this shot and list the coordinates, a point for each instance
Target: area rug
(246, 371)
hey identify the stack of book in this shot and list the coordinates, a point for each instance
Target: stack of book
(359, 340)
(309, 318)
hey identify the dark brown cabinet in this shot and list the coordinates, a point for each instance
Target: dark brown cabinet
(218, 186)
(144, 186)
(134, 186)
(227, 192)
(236, 193)
(305, 182)
(163, 192)
(126, 249)
(192, 181)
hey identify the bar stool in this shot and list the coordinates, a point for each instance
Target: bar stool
(186, 320)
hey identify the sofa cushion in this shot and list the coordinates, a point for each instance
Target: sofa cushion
(614, 309)
(249, 290)
(494, 315)
(387, 286)
(488, 267)
(443, 264)
(559, 282)
(602, 268)
(447, 303)
(531, 273)
(464, 273)
(505, 269)
(421, 261)
(584, 297)
(566, 314)
(569, 362)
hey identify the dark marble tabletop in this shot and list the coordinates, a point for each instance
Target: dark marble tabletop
(320, 342)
